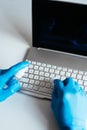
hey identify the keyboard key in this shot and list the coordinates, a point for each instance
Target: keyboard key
(30, 86)
(44, 65)
(52, 76)
(68, 74)
(48, 85)
(41, 73)
(31, 81)
(42, 84)
(62, 73)
(54, 67)
(84, 77)
(26, 80)
(47, 74)
(38, 63)
(63, 77)
(70, 70)
(59, 68)
(30, 66)
(25, 75)
(57, 77)
(35, 88)
(31, 76)
(75, 71)
(86, 88)
(79, 76)
(47, 79)
(49, 66)
(80, 72)
(73, 75)
(46, 69)
(37, 82)
(56, 71)
(80, 82)
(64, 69)
(36, 77)
(51, 70)
(36, 72)
(41, 68)
(41, 78)
(35, 67)
(34, 62)
(85, 73)
(31, 71)
(85, 83)
(25, 85)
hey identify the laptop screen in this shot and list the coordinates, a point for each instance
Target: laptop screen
(60, 26)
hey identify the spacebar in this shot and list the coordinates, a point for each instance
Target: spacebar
(45, 90)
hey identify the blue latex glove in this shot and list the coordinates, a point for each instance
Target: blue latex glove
(8, 83)
(69, 105)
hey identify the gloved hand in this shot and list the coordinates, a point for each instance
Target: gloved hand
(8, 83)
(69, 105)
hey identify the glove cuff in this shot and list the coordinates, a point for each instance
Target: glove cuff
(77, 124)
(73, 128)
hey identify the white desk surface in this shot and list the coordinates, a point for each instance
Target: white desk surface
(20, 112)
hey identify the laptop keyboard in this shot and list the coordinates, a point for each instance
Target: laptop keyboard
(38, 78)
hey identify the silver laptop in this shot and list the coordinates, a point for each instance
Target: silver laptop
(59, 35)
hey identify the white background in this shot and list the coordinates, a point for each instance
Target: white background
(20, 112)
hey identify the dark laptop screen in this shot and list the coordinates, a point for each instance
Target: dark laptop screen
(60, 26)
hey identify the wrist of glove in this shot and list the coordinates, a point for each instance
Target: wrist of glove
(77, 124)
(69, 105)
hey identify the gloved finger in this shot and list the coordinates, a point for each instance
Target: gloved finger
(71, 85)
(11, 72)
(13, 87)
(58, 87)
(79, 88)
(68, 81)
(2, 71)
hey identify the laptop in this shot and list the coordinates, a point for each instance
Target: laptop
(59, 34)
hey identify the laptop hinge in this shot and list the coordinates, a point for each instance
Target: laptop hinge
(65, 53)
